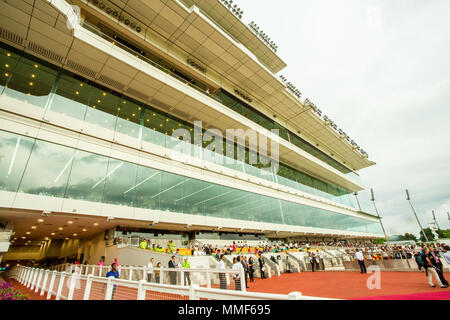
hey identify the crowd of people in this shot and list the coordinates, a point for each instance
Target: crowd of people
(427, 257)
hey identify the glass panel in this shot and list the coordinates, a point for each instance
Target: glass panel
(28, 81)
(47, 170)
(87, 170)
(15, 152)
(148, 185)
(126, 184)
(71, 97)
(120, 183)
(129, 118)
(172, 188)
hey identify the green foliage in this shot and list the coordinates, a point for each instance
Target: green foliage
(443, 234)
(408, 236)
(428, 233)
(379, 241)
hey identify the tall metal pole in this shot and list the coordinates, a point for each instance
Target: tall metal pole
(448, 215)
(357, 201)
(434, 218)
(376, 210)
(414, 211)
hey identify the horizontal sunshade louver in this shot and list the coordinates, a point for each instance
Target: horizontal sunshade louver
(45, 52)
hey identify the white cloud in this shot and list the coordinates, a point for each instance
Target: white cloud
(380, 69)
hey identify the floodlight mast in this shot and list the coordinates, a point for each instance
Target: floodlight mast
(415, 214)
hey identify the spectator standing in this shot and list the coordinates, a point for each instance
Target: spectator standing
(360, 258)
(437, 264)
(446, 251)
(430, 271)
(150, 270)
(251, 269)
(157, 272)
(262, 267)
(237, 265)
(245, 266)
(222, 278)
(113, 273)
(172, 274)
(187, 275)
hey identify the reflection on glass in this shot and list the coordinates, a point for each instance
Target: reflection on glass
(57, 171)
(47, 170)
(87, 170)
(33, 82)
(15, 151)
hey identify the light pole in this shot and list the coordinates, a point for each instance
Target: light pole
(409, 200)
(376, 210)
(357, 201)
(434, 218)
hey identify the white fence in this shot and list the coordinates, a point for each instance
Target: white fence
(76, 286)
(211, 278)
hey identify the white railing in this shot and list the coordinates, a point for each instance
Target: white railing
(76, 286)
(128, 242)
(229, 279)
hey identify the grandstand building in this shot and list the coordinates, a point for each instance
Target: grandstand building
(92, 93)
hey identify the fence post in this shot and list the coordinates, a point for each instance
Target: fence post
(73, 281)
(192, 293)
(242, 276)
(52, 283)
(19, 275)
(28, 276)
(44, 282)
(33, 279)
(182, 277)
(141, 290)
(161, 274)
(87, 289)
(295, 296)
(60, 286)
(208, 279)
(109, 287)
(38, 282)
(130, 276)
(24, 275)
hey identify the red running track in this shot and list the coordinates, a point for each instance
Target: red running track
(352, 285)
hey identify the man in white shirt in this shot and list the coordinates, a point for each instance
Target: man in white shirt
(360, 258)
(222, 278)
(237, 277)
(150, 270)
(446, 254)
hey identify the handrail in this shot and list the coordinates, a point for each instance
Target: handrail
(31, 277)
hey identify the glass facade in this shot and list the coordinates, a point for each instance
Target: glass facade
(38, 167)
(27, 79)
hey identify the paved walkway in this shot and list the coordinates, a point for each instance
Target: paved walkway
(352, 285)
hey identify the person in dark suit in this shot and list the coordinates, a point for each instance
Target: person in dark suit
(437, 264)
(262, 267)
(251, 269)
(312, 260)
(245, 265)
(172, 274)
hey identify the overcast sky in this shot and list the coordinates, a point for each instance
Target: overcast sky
(381, 70)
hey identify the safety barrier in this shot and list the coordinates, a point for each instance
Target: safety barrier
(76, 286)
